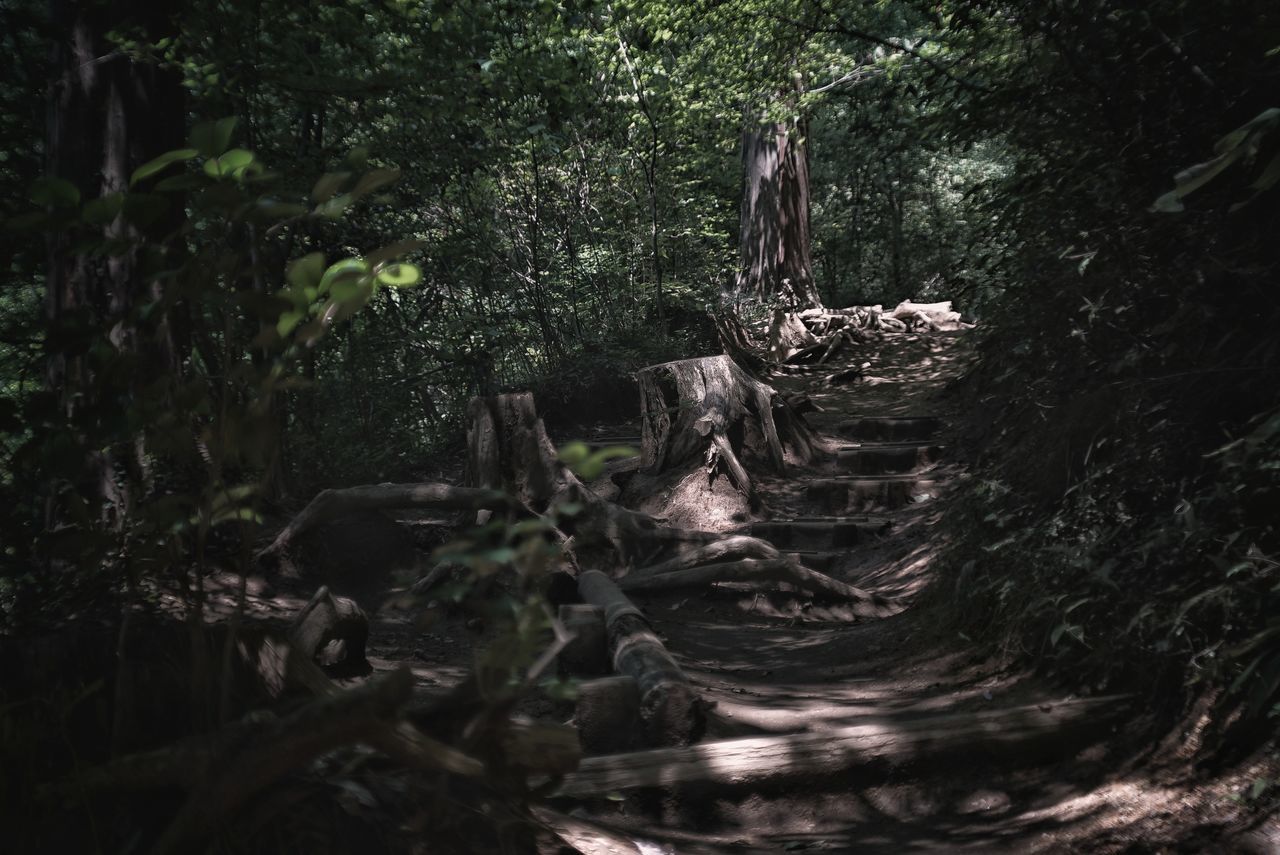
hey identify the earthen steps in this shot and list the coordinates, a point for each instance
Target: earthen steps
(818, 534)
(861, 493)
(891, 428)
(886, 458)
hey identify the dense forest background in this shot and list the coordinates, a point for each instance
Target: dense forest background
(558, 188)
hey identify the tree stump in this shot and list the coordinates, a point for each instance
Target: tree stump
(710, 408)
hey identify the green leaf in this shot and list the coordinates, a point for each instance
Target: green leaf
(358, 158)
(274, 209)
(344, 290)
(306, 272)
(212, 138)
(232, 164)
(288, 321)
(151, 167)
(180, 183)
(348, 269)
(52, 192)
(574, 453)
(400, 275)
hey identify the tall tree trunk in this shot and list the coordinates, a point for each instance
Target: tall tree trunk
(107, 115)
(775, 257)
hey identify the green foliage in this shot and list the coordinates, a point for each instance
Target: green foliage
(190, 444)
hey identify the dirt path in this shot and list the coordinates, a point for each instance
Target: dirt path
(777, 664)
(781, 664)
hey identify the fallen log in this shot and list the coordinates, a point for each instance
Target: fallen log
(669, 707)
(753, 571)
(333, 503)
(1020, 731)
(931, 316)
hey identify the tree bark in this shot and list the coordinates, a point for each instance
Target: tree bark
(712, 408)
(669, 706)
(774, 243)
(107, 114)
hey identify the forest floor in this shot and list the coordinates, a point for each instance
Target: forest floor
(781, 664)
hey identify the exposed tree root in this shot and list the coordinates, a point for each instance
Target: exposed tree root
(714, 409)
(753, 571)
(788, 335)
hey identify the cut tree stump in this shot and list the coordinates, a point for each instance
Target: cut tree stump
(670, 708)
(1020, 731)
(711, 409)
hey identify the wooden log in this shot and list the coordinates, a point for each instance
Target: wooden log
(754, 571)
(588, 652)
(327, 618)
(1020, 731)
(933, 316)
(607, 715)
(669, 707)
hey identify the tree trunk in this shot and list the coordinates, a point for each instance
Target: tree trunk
(107, 114)
(774, 245)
